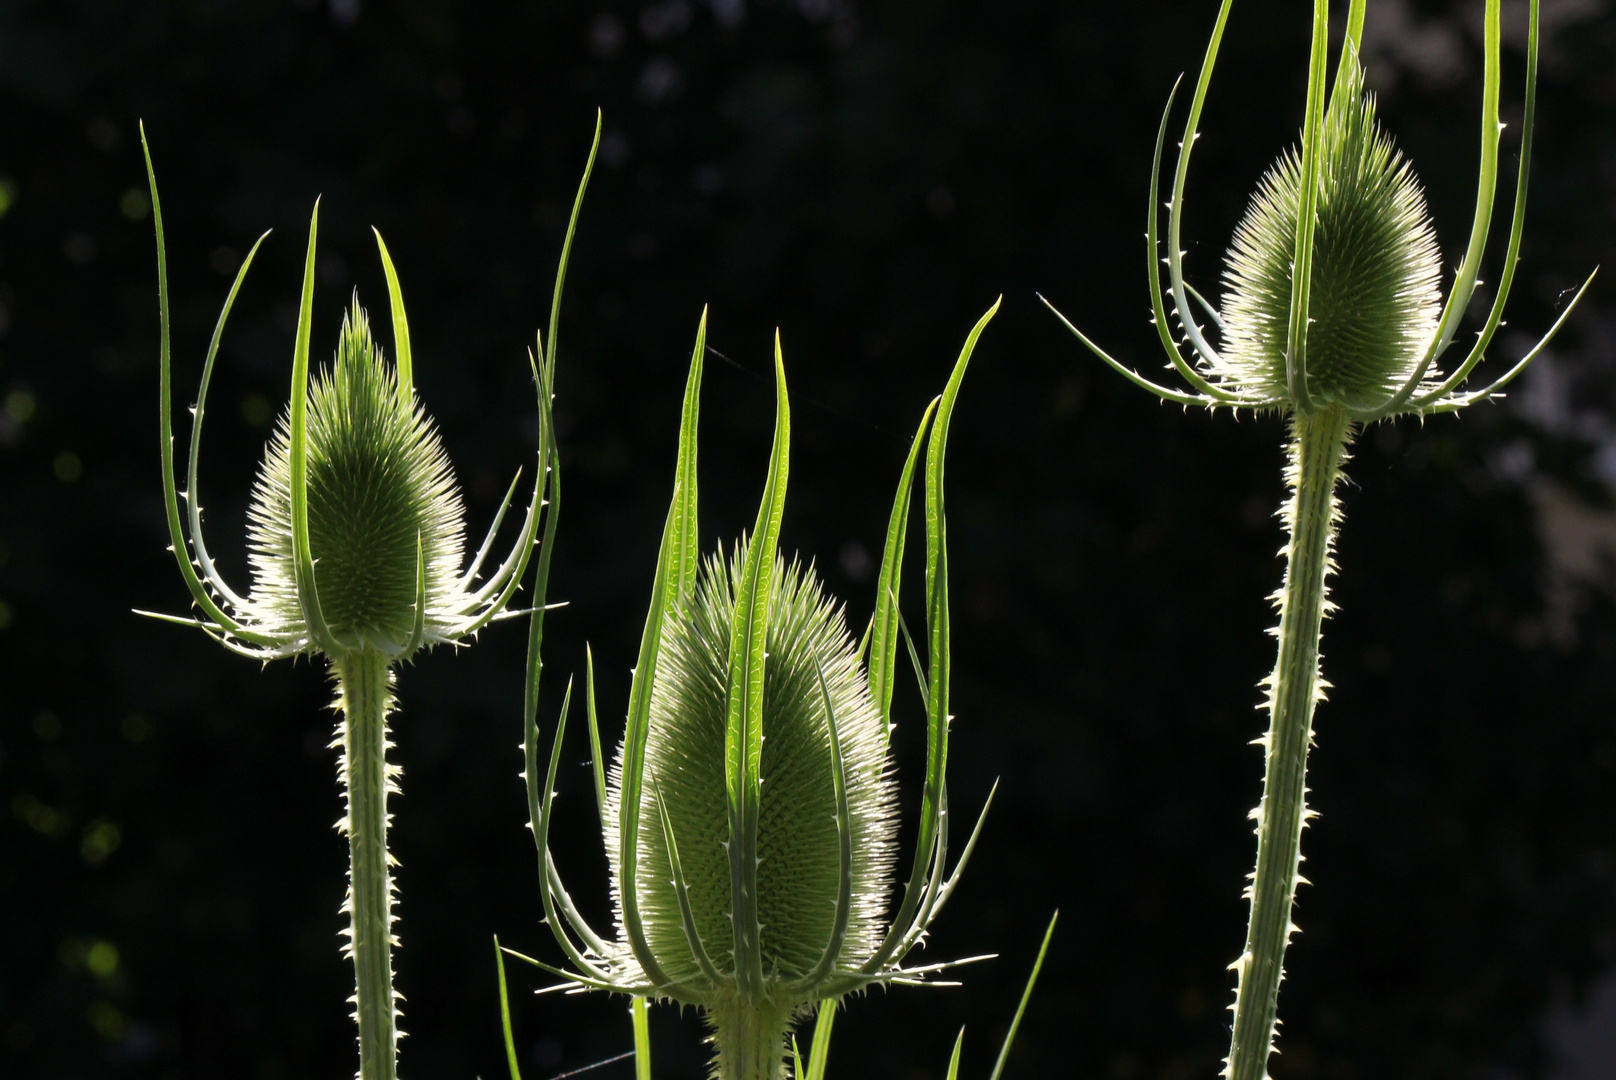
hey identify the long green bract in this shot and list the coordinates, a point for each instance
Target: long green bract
(551, 889)
(403, 359)
(1175, 255)
(743, 732)
(508, 578)
(302, 558)
(566, 254)
(193, 500)
(1306, 215)
(1464, 284)
(844, 842)
(171, 506)
(670, 580)
(1158, 307)
(1517, 228)
(884, 628)
(686, 555)
(548, 482)
(937, 625)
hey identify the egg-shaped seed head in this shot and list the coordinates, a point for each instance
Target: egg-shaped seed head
(798, 876)
(1374, 298)
(380, 489)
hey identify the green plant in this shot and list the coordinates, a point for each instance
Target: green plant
(356, 543)
(1332, 316)
(759, 902)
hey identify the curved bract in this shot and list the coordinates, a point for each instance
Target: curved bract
(357, 527)
(750, 816)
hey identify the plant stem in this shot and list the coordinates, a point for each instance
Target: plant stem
(642, 1039)
(750, 1038)
(363, 679)
(1318, 448)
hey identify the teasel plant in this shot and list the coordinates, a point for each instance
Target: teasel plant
(750, 812)
(356, 544)
(1331, 316)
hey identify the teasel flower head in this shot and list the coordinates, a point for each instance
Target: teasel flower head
(1332, 297)
(750, 813)
(355, 540)
(1332, 316)
(385, 519)
(356, 525)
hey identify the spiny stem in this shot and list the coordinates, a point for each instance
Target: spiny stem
(1318, 448)
(366, 697)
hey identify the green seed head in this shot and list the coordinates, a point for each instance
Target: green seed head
(1331, 298)
(356, 529)
(380, 494)
(798, 873)
(750, 815)
(1376, 268)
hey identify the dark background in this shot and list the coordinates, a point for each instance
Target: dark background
(867, 177)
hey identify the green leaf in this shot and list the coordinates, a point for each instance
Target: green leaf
(505, 1014)
(954, 1058)
(1464, 284)
(1026, 996)
(1354, 37)
(820, 1052)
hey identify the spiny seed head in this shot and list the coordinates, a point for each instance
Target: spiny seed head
(750, 813)
(1374, 298)
(378, 479)
(798, 872)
